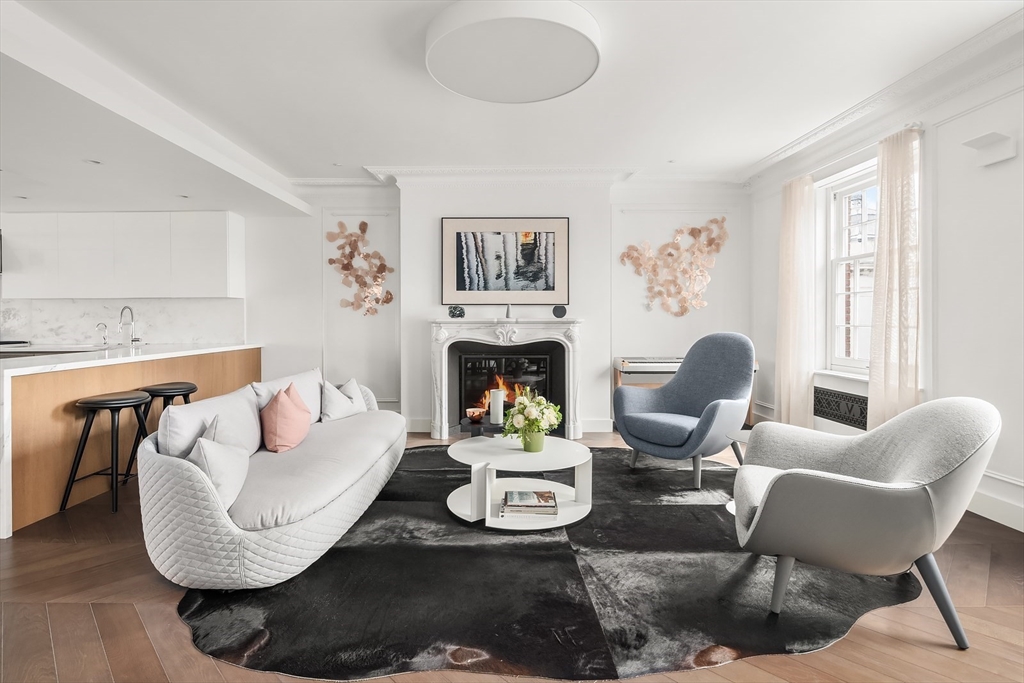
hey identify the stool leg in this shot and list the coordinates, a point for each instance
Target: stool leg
(186, 399)
(140, 434)
(168, 400)
(115, 419)
(89, 417)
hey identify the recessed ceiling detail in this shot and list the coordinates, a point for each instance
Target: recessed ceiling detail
(513, 51)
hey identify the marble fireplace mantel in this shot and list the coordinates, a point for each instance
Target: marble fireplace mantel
(504, 332)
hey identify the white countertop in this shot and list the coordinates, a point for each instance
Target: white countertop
(111, 355)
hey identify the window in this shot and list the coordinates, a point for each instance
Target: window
(852, 228)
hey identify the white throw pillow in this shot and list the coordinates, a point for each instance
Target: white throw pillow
(307, 383)
(238, 423)
(354, 392)
(337, 405)
(226, 466)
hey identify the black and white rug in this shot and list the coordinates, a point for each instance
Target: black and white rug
(652, 581)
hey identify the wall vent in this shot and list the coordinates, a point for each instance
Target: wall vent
(838, 406)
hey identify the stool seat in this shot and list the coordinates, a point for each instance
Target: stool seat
(120, 399)
(170, 389)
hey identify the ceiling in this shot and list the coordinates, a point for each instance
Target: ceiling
(49, 134)
(320, 89)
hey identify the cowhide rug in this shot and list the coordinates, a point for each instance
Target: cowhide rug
(652, 581)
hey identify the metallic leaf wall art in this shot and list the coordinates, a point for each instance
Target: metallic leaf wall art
(365, 270)
(676, 275)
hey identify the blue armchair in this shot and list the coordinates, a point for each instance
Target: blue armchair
(691, 415)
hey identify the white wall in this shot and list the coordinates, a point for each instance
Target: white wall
(357, 345)
(284, 295)
(292, 293)
(653, 214)
(972, 234)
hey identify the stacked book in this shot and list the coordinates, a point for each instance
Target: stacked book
(528, 504)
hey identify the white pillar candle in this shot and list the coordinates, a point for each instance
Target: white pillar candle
(497, 406)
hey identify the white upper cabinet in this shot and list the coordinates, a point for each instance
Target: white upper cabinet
(126, 255)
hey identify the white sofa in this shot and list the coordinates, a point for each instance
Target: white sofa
(292, 507)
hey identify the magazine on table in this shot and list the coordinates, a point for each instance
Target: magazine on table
(528, 504)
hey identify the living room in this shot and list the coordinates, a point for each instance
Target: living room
(406, 240)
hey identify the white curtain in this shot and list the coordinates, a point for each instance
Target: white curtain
(794, 346)
(895, 363)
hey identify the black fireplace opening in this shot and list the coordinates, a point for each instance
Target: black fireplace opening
(538, 366)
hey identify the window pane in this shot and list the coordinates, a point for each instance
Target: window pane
(862, 343)
(861, 240)
(862, 309)
(843, 342)
(871, 203)
(865, 278)
(844, 309)
(849, 241)
(845, 277)
(853, 208)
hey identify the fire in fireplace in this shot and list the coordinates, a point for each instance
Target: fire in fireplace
(479, 374)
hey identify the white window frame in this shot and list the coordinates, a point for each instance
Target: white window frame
(865, 176)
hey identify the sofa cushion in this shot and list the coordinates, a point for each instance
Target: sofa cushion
(664, 429)
(281, 490)
(285, 421)
(226, 466)
(238, 423)
(308, 384)
(751, 483)
(338, 405)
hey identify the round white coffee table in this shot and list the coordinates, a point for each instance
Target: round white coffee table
(481, 498)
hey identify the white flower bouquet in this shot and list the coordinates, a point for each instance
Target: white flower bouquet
(530, 418)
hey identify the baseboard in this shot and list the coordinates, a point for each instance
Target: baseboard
(602, 425)
(418, 424)
(1001, 499)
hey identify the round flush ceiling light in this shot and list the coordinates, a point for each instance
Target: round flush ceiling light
(513, 51)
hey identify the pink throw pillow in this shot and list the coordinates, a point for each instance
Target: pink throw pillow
(285, 421)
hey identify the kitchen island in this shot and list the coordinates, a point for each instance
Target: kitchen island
(41, 425)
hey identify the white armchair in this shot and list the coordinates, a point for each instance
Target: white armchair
(871, 504)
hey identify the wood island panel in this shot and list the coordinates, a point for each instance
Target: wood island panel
(46, 425)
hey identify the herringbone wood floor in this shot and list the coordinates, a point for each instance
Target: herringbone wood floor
(80, 602)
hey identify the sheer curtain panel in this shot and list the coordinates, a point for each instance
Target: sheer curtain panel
(894, 382)
(794, 349)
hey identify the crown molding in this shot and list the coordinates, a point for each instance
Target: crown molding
(871, 131)
(335, 182)
(967, 50)
(503, 175)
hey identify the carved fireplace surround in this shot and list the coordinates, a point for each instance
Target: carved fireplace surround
(504, 332)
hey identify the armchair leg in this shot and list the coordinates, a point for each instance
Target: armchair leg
(737, 452)
(937, 587)
(696, 471)
(783, 568)
(632, 460)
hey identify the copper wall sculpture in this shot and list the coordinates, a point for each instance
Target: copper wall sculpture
(676, 275)
(367, 271)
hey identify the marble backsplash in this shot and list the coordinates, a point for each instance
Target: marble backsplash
(157, 321)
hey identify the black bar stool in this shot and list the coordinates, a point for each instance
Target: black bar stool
(115, 403)
(168, 391)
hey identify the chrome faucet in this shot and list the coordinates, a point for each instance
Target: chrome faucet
(120, 324)
(103, 327)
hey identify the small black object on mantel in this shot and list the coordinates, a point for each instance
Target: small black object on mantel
(456, 312)
(558, 311)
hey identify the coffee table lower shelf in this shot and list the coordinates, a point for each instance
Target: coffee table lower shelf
(569, 511)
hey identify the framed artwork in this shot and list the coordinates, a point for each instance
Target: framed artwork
(505, 261)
